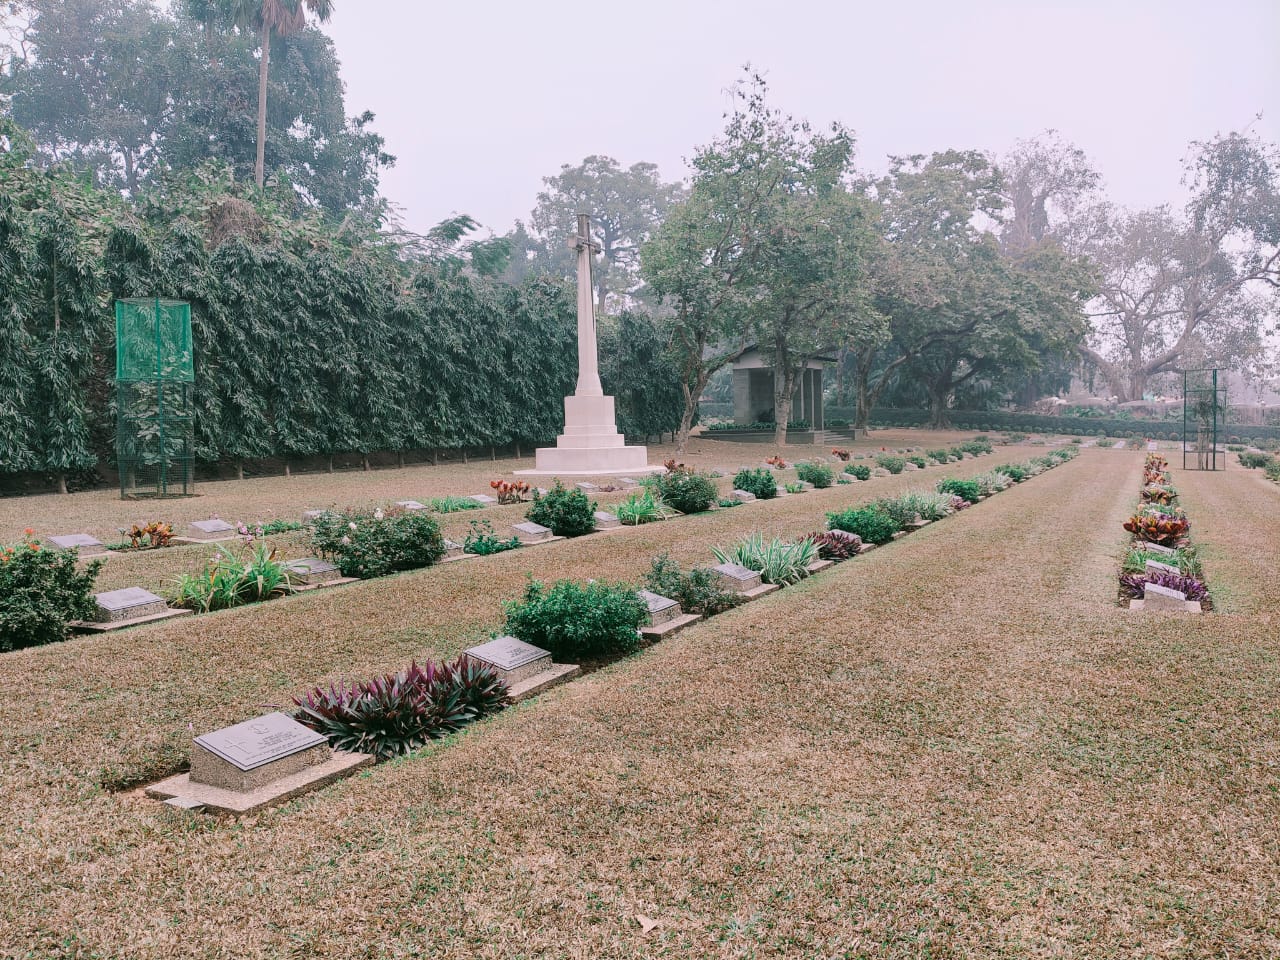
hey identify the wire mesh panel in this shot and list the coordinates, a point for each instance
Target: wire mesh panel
(1204, 403)
(155, 377)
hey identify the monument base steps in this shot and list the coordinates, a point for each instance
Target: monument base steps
(674, 625)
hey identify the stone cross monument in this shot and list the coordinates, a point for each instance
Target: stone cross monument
(591, 444)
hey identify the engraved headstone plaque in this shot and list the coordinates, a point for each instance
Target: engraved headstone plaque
(260, 741)
(1155, 566)
(512, 659)
(411, 505)
(661, 609)
(1157, 597)
(80, 541)
(452, 549)
(606, 520)
(212, 529)
(737, 577)
(484, 498)
(311, 570)
(530, 532)
(628, 482)
(127, 604)
(587, 486)
(743, 496)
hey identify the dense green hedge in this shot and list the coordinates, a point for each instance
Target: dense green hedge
(1071, 426)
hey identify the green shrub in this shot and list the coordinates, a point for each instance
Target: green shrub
(977, 446)
(819, 474)
(229, 580)
(858, 470)
(938, 456)
(482, 541)
(373, 545)
(728, 502)
(1255, 461)
(698, 590)
(869, 523)
(567, 513)
(776, 561)
(41, 591)
(1106, 442)
(991, 483)
(453, 504)
(1273, 471)
(920, 462)
(574, 620)
(891, 463)
(1013, 471)
(968, 489)
(640, 507)
(687, 490)
(759, 481)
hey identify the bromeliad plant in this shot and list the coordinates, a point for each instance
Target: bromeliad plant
(232, 579)
(1153, 527)
(151, 535)
(776, 561)
(835, 544)
(396, 714)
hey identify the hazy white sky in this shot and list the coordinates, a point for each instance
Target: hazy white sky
(479, 101)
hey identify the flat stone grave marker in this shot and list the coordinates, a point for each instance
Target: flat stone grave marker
(1120, 444)
(1159, 548)
(737, 577)
(484, 498)
(606, 520)
(743, 496)
(212, 529)
(87, 545)
(128, 604)
(1156, 597)
(1155, 566)
(628, 482)
(452, 549)
(411, 505)
(661, 609)
(588, 487)
(909, 466)
(255, 763)
(530, 532)
(309, 515)
(312, 570)
(512, 659)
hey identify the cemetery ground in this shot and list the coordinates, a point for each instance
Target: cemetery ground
(956, 745)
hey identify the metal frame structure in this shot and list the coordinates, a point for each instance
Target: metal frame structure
(1204, 405)
(155, 402)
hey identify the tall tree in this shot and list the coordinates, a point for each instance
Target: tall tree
(626, 206)
(1199, 285)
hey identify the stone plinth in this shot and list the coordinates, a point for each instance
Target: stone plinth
(484, 498)
(208, 531)
(1155, 566)
(1156, 597)
(741, 580)
(411, 505)
(314, 572)
(530, 532)
(743, 496)
(665, 616)
(524, 668)
(607, 521)
(88, 546)
(128, 604)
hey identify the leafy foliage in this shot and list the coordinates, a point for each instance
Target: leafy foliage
(835, 544)
(758, 481)
(869, 523)
(41, 591)
(687, 490)
(639, 507)
(776, 560)
(396, 714)
(1133, 585)
(567, 513)
(893, 464)
(453, 504)
(818, 474)
(482, 541)
(574, 620)
(369, 545)
(1164, 529)
(233, 579)
(859, 470)
(970, 490)
(697, 590)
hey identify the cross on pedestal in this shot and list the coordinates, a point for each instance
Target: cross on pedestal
(588, 363)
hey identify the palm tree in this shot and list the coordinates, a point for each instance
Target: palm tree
(268, 17)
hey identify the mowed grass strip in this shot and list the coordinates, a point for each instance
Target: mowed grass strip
(954, 746)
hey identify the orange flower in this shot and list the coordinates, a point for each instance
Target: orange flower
(35, 547)
(29, 531)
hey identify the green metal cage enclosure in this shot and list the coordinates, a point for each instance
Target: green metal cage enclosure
(1204, 405)
(155, 402)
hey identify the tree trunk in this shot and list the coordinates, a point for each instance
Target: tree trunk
(287, 471)
(519, 456)
(690, 409)
(331, 463)
(239, 469)
(259, 164)
(62, 483)
(782, 391)
(493, 453)
(399, 458)
(364, 462)
(938, 419)
(464, 455)
(435, 456)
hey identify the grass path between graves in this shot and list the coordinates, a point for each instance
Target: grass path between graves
(957, 745)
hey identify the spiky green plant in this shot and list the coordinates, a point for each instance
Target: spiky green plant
(776, 560)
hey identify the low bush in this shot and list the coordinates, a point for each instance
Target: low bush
(1106, 442)
(374, 545)
(776, 560)
(640, 507)
(818, 474)
(1273, 472)
(574, 620)
(1184, 558)
(687, 490)
(992, 483)
(938, 456)
(977, 446)
(396, 714)
(273, 527)
(453, 504)
(697, 590)
(758, 481)
(728, 502)
(149, 535)
(1255, 461)
(482, 541)
(1159, 528)
(231, 580)
(920, 462)
(568, 513)
(968, 489)
(835, 544)
(1133, 585)
(901, 510)
(41, 591)
(869, 523)
(859, 471)
(891, 463)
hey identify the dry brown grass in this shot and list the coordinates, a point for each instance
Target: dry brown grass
(954, 746)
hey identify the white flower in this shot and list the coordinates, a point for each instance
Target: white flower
(351, 526)
(378, 514)
(346, 541)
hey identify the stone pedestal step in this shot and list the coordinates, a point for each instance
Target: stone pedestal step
(670, 627)
(534, 685)
(107, 626)
(194, 796)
